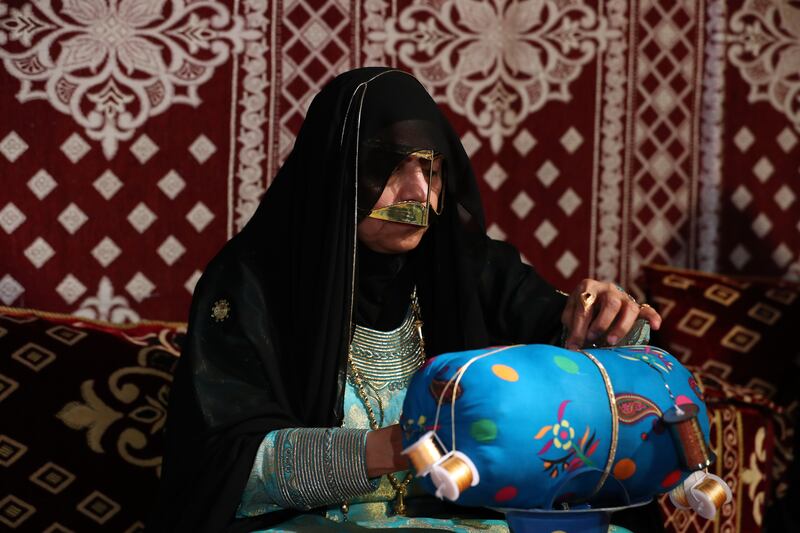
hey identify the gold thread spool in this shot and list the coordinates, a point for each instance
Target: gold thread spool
(688, 437)
(679, 497)
(714, 490)
(454, 474)
(708, 495)
(424, 453)
(458, 471)
(702, 492)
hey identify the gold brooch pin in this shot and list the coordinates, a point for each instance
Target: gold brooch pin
(221, 310)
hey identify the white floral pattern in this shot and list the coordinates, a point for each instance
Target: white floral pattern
(765, 46)
(106, 306)
(112, 64)
(494, 61)
(711, 130)
(611, 155)
(253, 116)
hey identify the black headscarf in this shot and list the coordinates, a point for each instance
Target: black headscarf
(277, 360)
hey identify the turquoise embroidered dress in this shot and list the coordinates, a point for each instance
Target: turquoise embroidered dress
(305, 468)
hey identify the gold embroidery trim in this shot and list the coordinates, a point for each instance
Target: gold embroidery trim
(612, 403)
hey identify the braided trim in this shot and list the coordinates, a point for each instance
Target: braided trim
(51, 315)
(612, 403)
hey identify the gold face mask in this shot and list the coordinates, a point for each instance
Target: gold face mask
(411, 211)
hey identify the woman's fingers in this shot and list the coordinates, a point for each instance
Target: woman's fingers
(651, 315)
(595, 310)
(582, 310)
(566, 314)
(624, 322)
(610, 305)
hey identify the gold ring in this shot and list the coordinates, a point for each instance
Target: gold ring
(587, 299)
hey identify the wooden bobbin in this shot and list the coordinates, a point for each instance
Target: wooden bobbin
(688, 437)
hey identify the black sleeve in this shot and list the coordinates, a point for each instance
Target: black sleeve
(227, 394)
(519, 305)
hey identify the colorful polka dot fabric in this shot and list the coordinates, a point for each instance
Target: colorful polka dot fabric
(537, 422)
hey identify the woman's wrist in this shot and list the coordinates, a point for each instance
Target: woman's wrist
(384, 447)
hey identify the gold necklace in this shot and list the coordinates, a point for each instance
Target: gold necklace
(400, 487)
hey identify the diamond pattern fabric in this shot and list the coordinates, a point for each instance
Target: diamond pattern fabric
(604, 135)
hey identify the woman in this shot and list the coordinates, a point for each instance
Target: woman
(323, 269)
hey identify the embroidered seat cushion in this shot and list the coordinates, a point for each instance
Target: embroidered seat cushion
(742, 333)
(743, 330)
(82, 407)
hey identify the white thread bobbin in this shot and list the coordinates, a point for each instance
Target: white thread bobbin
(424, 453)
(453, 474)
(704, 493)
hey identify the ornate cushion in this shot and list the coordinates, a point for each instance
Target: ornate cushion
(740, 335)
(743, 330)
(82, 404)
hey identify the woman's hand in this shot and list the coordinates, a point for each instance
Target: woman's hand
(383, 451)
(597, 310)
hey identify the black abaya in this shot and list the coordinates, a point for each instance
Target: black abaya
(277, 359)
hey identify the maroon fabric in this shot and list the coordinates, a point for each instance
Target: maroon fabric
(83, 407)
(740, 329)
(604, 134)
(760, 146)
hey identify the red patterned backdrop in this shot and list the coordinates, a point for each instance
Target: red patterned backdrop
(138, 135)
